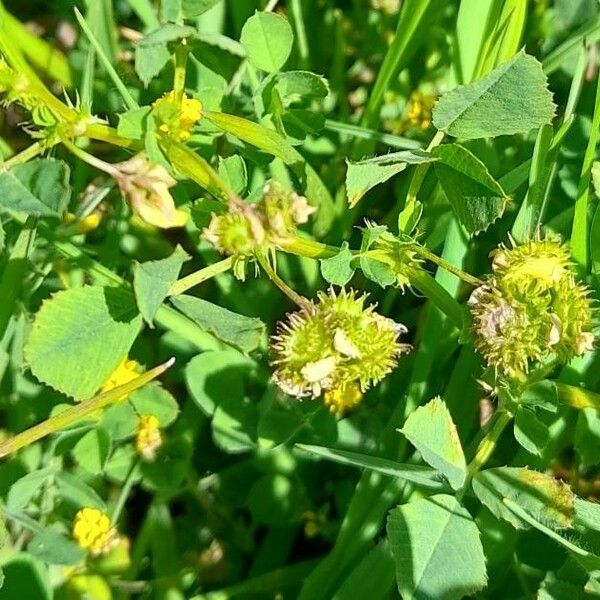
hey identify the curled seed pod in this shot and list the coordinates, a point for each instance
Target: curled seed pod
(336, 345)
(531, 309)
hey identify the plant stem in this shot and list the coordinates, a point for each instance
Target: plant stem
(488, 444)
(263, 261)
(125, 491)
(193, 279)
(180, 65)
(90, 159)
(30, 152)
(76, 413)
(444, 264)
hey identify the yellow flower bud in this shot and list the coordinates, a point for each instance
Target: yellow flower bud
(148, 439)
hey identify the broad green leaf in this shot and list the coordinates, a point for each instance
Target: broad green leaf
(245, 333)
(338, 269)
(55, 548)
(153, 399)
(212, 376)
(432, 432)
(233, 172)
(25, 577)
(587, 514)
(132, 123)
(234, 424)
(152, 53)
(153, 279)
(76, 492)
(587, 437)
(365, 174)
(92, 450)
(531, 430)
(38, 187)
(194, 8)
(540, 495)
(380, 272)
(513, 98)
(414, 473)
(475, 196)
(267, 39)
(27, 487)
(80, 336)
(437, 550)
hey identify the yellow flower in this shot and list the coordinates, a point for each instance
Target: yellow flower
(94, 532)
(148, 439)
(88, 223)
(127, 371)
(146, 186)
(419, 110)
(178, 120)
(343, 398)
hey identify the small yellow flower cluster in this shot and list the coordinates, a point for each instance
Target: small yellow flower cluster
(94, 532)
(418, 113)
(178, 120)
(148, 439)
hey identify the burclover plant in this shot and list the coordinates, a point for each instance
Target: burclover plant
(531, 309)
(207, 182)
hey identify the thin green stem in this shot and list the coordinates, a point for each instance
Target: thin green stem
(193, 279)
(90, 159)
(444, 264)
(488, 444)
(30, 152)
(296, 7)
(421, 170)
(126, 95)
(124, 493)
(263, 261)
(181, 54)
(78, 412)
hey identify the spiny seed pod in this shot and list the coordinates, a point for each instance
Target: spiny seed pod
(337, 346)
(247, 228)
(531, 309)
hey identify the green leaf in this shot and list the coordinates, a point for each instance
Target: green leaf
(212, 376)
(92, 450)
(27, 487)
(380, 272)
(338, 269)
(26, 577)
(475, 196)
(513, 98)
(437, 549)
(540, 495)
(194, 8)
(245, 333)
(587, 437)
(233, 172)
(432, 432)
(153, 399)
(531, 431)
(267, 39)
(80, 336)
(132, 123)
(153, 279)
(73, 490)
(38, 187)
(152, 53)
(364, 175)
(55, 548)
(417, 474)
(294, 86)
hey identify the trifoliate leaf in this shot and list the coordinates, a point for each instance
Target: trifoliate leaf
(436, 548)
(363, 175)
(80, 336)
(431, 430)
(39, 187)
(153, 279)
(513, 98)
(268, 40)
(338, 269)
(475, 196)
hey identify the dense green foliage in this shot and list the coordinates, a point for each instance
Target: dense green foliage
(298, 299)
